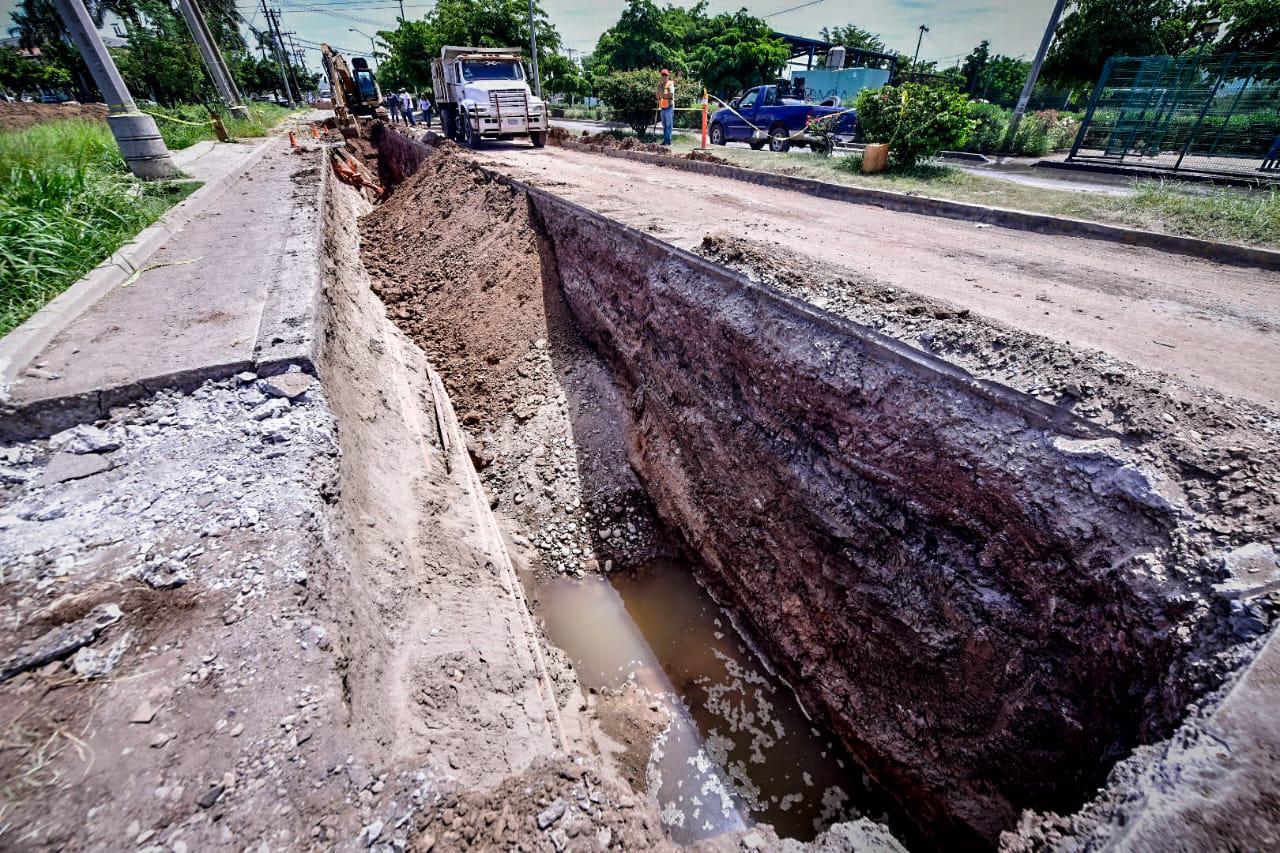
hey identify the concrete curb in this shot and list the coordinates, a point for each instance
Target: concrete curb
(1040, 223)
(1244, 181)
(21, 346)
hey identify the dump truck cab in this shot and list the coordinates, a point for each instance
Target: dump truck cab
(483, 93)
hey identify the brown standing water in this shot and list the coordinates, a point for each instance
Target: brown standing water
(740, 749)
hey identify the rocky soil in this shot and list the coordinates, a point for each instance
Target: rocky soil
(14, 115)
(478, 295)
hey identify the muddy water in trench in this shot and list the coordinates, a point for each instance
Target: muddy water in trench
(740, 749)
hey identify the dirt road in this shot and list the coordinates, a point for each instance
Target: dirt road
(1211, 325)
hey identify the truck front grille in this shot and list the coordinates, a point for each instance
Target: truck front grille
(508, 102)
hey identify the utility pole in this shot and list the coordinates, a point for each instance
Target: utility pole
(222, 79)
(916, 58)
(533, 43)
(1025, 97)
(373, 47)
(402, 10)
(136, 133)
(275, 48)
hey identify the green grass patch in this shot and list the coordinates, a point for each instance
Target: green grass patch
(66, 203)
(1172, 207)
(192, 123)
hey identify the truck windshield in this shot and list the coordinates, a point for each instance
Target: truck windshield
(475, 69)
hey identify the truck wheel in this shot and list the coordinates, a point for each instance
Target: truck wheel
(470, 136)
(538, 138)
(717, 133)
(779, 138)
(447, 125)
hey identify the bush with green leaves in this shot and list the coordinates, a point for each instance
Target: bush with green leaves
(630, 96)
(990, 121)
(915, 119)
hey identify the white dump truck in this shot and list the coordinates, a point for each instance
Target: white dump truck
(482, 93)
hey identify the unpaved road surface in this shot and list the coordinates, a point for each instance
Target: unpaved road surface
(1206, 323)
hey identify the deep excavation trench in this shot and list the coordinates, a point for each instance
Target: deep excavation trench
(983, 596)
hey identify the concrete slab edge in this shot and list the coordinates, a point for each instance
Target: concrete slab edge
(22, 345)
(1041, 223)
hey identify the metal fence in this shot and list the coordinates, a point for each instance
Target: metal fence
(1199, 113)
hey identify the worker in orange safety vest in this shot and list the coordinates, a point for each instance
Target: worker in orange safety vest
(667, 105)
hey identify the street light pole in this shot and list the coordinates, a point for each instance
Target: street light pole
(914, 59)
(222, 79)
(1021, 107)
(533, 43)
(135, 132)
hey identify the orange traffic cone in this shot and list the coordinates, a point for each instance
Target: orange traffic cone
(293, 141)
(315, 134)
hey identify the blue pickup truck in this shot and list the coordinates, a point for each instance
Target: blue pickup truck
(762, 117)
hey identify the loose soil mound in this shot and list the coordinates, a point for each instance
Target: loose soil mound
(560, 136)
(18, 115)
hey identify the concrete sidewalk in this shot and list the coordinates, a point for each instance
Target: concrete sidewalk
(232, 289)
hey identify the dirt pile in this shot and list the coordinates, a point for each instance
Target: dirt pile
(460, 266)
(555, 805)
(14, 115)
(613, 142)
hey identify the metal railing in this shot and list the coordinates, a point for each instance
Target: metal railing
(1196, 113)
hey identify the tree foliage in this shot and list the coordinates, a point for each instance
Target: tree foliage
(728, 52)
(916, 120)
(630, 95)
(851, 35)
(474, 23)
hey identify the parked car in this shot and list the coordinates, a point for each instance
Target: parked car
(763, 116)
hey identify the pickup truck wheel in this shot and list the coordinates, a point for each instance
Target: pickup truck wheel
(538, 138)
(717, 133)
(779, 139)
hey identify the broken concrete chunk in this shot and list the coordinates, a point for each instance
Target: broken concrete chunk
(84, 439)
(61, 641)
(91, 663)
(551, 814)
(269, 409)
(371, 833)
(288, 385)
(66, 466)
(143, 714)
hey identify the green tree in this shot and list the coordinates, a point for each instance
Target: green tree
(1096, 30)
(851, 35)
(474, 23)
(1002, 79)
(1252, 26)
(630, 95)
(727, 52)
(974, 64)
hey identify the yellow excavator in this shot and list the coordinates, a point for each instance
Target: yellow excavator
(355, 89)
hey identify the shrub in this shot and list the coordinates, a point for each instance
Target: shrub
(917, 120)
(990, 123)
(630, 96)
(1045, 131)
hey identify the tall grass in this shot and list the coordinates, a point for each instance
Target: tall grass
(193, 124)
(66, 203)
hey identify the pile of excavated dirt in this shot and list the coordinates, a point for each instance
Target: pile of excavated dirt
(560, 136)
(471, 284)
(14, 115)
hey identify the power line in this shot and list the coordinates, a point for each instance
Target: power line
(793, 8)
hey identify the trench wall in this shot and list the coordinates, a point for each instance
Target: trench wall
(947, 570)
(956, 576)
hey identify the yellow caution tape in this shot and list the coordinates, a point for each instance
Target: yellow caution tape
(178, 120)
(137, 274)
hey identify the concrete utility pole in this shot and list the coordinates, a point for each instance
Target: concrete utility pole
(222, 79)
(914, 59)
(136, 133)
(533, 43)
(1025, 97)
(275, 48)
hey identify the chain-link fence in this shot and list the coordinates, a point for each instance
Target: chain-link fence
(1198, 113)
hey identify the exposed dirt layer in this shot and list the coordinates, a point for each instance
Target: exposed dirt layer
(14, 115)
(1209, 325)
(468, 284)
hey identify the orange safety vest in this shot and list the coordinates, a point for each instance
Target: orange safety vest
(668, 94)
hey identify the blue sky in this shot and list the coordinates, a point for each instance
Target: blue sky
(1012, 26)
